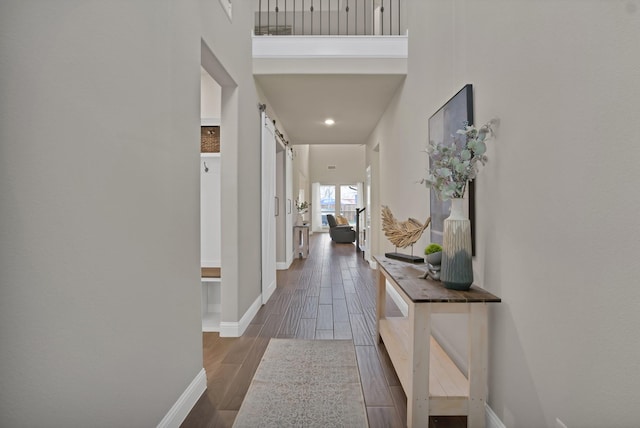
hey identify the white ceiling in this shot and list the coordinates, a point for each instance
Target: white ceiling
(303, 101)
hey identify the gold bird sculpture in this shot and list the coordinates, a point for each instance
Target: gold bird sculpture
(402, 233)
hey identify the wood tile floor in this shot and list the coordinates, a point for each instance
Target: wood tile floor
(329, 295)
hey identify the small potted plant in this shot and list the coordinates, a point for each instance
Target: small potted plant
(434, 259)
(434, 254)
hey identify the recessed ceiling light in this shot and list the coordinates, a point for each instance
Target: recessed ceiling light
(329, 122)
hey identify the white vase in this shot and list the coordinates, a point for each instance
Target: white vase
(300, 219)
(457, 269)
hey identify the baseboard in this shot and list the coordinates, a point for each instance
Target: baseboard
(235, 329)
(373, 264)
(397, 299)
(284, 265)
(188, 399)
(491, 419)
(266, 295)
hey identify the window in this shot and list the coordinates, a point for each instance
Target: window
(338, 199)
(327, 202)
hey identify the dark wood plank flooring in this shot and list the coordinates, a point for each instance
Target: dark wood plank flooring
(329, 295)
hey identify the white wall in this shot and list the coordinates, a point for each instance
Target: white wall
(230, 43)
(301, 171)
(99, 211)
(210, 221)
(210, 99)
(556, 233)
(349, 160)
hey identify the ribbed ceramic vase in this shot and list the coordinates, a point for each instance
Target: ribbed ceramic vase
(456, 270)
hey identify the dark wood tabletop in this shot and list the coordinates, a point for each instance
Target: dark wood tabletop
(409, 277)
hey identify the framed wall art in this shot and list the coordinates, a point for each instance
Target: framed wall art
(442, 128)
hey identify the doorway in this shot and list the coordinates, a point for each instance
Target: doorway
(218, 108)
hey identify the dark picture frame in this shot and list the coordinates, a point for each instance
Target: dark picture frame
(443, 125)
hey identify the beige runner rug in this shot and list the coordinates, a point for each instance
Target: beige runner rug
(305, 383)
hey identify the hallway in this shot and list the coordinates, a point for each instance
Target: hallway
(330, 295)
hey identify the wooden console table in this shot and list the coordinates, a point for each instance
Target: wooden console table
(438, 388)
(301, 240)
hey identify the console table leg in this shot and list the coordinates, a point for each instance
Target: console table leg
(418, 359)
(477, 364)
(381, 302)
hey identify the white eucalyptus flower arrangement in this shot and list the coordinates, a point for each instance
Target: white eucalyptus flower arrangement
(302, 206)
(455, 164)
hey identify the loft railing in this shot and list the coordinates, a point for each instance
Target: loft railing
(329, 17)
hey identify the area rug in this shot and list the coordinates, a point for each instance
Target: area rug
(305, 383)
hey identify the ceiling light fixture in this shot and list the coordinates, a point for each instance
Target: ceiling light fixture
(329, 122)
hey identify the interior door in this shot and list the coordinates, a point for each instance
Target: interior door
(289, 205)
(269, 207)
(367, 215)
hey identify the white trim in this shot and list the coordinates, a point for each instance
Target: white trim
(286, 264)
(491, 419)
(397, 299)
(330, 47)
(185, 403)
(209, 121)
(267, 292)
(211, 322)
(235, 329)
(209, 279)
(211, 155)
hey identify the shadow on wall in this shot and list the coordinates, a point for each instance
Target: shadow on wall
(508, 392)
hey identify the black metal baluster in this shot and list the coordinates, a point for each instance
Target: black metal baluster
(302, 17)
(311, 9)
(347, 18)
(382, 18)
(294, 18)
(329, 18)
(277, 9)
(320, 17)
(259, 18)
